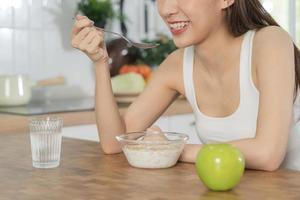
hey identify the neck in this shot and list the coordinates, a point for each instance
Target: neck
(216, 53)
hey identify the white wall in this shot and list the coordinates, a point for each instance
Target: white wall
(35, 38)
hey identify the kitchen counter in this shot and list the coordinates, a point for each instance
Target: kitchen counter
(86, 173)
(18, 123)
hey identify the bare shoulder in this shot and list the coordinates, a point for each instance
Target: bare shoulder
(273, 56)
(170, 69)
(271, 39)
(173, 60)
(271, 33)
(270, 44)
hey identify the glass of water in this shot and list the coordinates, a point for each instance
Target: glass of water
(45, 139)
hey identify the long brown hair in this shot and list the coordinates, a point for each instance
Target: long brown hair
(244, 15)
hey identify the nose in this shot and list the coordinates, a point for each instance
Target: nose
(167, 8)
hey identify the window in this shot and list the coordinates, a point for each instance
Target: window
(287, 14)
(298, 23)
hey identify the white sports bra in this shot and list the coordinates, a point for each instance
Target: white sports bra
(242, 123)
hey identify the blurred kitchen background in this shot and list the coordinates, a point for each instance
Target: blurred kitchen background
(35, 39)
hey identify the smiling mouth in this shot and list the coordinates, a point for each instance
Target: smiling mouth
(179, 25)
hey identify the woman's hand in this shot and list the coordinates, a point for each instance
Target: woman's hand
(189, 153)
(86, 38)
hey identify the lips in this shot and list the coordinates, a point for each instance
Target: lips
(178, 27)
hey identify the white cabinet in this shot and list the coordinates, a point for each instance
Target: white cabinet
(176, 123)
(82, 132)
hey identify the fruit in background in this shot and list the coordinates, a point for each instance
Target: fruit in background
(128, 83)
(142, 69)
(145, 70)
(220, 166)
(128, 68)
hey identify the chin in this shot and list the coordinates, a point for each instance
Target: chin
(182, 43)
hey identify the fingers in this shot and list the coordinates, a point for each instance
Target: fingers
(89, 42)
(79, 17)
(94, 46)
(77, 39)
(85, 42)
(98, 41)
(88, 39)
(80, 23)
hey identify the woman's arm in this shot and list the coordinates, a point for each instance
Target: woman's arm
(108, 119)
(274, 59)
(143, 112)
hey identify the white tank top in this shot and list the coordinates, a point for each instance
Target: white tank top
(242, 123)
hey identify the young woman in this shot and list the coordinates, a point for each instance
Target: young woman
(238, 69)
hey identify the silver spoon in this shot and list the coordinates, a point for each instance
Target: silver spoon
(130, 42)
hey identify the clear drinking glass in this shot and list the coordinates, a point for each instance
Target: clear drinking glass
(45, 138)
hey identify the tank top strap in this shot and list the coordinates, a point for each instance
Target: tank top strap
(247, 86)
(188, 63)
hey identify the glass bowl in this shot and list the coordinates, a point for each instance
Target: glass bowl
(152, 149)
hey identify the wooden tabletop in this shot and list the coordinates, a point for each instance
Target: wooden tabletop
(17, 123)
(86, 173)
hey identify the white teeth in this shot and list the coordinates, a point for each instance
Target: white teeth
(179, 25)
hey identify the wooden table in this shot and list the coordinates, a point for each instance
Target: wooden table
(86, 173)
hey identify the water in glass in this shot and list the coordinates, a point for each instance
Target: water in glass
(45, 137)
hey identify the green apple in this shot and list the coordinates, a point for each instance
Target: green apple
(220, 166)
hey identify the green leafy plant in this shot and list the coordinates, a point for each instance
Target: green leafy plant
(155, 56)
(97, 10)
